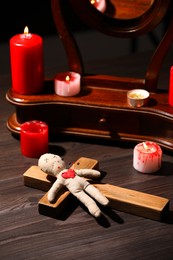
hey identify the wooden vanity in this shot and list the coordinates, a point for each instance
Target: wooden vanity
(101, 109)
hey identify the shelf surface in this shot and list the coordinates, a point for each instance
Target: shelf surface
(99, 112)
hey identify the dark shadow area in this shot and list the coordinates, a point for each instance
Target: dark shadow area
(37, 15)
(168, 219)
(63, 211)
(107, 213)
(56, 149)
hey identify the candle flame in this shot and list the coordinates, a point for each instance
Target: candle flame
(26, 30)
(94, 1)
(67, 78)
(145, 146)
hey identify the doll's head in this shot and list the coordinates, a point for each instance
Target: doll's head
(51, 164)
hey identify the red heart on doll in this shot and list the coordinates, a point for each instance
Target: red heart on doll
(68, 174)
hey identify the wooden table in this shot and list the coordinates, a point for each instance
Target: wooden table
(25, 234)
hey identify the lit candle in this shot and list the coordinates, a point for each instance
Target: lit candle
(99, 4)
(137, 97)
(67, 84)
(34, 138)
(26, 53)
(147, 157)
(171, 87)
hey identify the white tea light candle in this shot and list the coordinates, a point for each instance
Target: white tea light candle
(137, 97)
(147, 157)
(67, 84)
(99, 4)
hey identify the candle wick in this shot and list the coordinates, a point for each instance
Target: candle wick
(146, 147)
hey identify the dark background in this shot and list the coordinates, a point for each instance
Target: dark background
(94, 46)
(37, 15)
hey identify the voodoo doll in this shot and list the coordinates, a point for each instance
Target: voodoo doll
(84, 191)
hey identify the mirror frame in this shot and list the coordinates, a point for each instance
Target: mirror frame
(117, 28)
(120, 27)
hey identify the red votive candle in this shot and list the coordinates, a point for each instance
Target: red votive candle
(34, 138)
(26, 56)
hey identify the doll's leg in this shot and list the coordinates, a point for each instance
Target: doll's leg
(97, 195)
(54, 190)
(88, 202)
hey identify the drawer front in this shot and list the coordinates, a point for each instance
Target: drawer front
(83, 117)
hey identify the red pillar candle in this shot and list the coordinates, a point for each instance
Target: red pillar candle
(26, 53)
(171, 87)
(34, 138)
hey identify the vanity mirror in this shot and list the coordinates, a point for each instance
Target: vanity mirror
(123, 9)
(121, 18)
(101, 109)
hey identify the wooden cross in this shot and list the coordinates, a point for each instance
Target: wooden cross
(122, 199)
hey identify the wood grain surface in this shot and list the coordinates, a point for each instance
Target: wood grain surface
(26, 234)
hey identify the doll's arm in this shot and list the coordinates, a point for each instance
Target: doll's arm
(53, 190)
(88, 173)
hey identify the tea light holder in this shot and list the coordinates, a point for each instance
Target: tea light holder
(34, 138)
(147, 157)
(137, 97)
